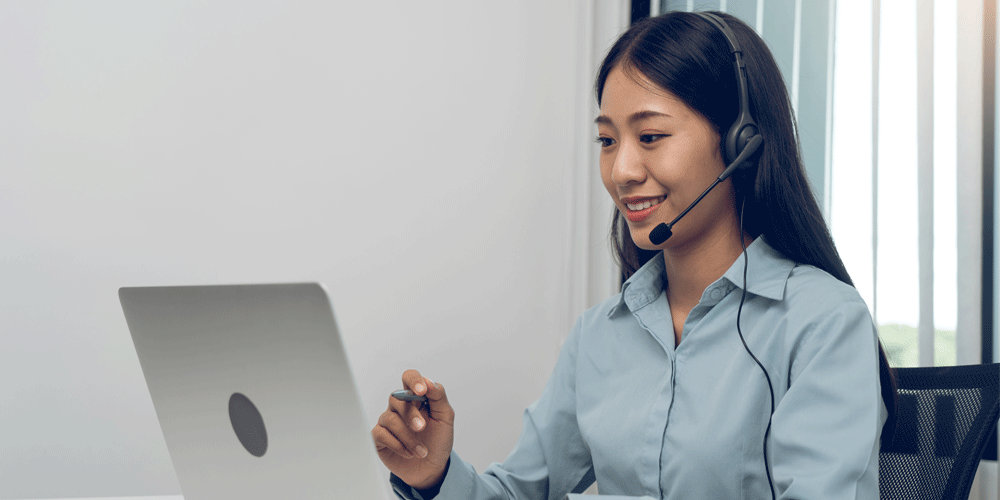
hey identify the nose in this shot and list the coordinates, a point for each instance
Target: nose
(627, 167)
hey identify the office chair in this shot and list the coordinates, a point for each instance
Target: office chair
(945, 417)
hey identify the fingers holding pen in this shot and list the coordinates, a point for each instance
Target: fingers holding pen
(414, 381)
(438, 407)
(414, 436)
(409, 412)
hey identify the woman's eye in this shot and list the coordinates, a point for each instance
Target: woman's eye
(648, 138)
(604, 141)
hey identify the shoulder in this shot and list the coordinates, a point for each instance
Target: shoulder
(601, 314)
(809, 284)
(800, 290)
(822, 313)
(815, 294)
(607, 325)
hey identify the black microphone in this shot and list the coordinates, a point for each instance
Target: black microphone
(663, 231)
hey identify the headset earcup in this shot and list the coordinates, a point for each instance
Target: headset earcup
(733, 143)
(744, 129)
(738, 137)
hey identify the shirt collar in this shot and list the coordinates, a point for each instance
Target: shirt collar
(767, 271)
(644, 286)
(767, 275)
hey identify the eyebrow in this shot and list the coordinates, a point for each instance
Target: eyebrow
(637, 116)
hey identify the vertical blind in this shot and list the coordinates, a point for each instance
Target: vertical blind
(929, 72)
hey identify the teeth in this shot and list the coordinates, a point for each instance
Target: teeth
(644, 205)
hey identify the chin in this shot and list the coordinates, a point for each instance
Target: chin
(640, 236)
(643, 243)
(647, 245)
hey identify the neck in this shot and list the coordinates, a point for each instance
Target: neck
(691, 269)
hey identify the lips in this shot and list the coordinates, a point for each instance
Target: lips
(637, 208)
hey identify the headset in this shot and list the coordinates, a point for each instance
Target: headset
(743, 131)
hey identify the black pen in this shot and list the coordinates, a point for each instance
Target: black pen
(408, 395)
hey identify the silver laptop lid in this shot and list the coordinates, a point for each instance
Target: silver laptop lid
(253, 392)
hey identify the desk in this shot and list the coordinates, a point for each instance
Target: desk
(169, 497)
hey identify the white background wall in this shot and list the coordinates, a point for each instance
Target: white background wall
(415, 157)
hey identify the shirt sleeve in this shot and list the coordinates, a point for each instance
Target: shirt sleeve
(550, 458)
(825, 430)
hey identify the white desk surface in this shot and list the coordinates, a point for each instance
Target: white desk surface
(170, 497)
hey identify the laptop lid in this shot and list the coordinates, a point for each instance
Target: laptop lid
(253, 392)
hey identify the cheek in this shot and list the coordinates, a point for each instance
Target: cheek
(692, 167)
(606, 177)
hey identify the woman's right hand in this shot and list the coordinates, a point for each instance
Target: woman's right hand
(415, 443)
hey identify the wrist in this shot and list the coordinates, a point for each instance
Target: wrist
(431, 488)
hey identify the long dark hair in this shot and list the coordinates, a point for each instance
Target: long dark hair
(688, 56)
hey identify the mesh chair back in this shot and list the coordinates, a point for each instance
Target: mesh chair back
(945, 415)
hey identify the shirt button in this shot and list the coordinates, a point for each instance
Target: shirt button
(717, 294)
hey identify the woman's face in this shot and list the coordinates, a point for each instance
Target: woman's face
(657, 156)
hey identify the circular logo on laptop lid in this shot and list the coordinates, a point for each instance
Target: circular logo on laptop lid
(248, 424)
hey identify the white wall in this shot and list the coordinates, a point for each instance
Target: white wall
(412, 156)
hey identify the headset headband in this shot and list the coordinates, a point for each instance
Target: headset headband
(744, 128)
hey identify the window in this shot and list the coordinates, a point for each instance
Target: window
(897, 172)
(893, 196)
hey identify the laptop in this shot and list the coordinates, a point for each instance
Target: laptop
(253, 392)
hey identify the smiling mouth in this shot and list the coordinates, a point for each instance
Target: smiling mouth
(644, 204)
(636, 210)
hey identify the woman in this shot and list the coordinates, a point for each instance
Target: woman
(736, 337)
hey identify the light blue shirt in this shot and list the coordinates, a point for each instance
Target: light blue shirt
(648, 417)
